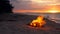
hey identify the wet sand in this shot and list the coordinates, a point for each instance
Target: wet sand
(17, 24)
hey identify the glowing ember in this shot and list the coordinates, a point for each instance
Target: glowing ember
(39, 22)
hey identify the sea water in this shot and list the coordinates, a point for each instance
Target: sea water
(52, 16)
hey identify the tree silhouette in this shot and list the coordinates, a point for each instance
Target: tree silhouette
(5, 7)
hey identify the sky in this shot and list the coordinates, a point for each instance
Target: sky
(23, 6)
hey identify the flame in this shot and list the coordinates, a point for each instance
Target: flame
(39, 22)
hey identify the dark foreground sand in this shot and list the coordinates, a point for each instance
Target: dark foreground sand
(17, 24)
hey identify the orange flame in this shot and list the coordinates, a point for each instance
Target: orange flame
(39, 22)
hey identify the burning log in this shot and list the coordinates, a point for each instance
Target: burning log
(38, 22)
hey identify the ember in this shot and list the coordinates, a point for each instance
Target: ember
(39, 22)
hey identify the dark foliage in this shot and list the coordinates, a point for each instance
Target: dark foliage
(5, 7)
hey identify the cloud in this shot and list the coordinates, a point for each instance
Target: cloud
(21, 4)
(29, 4)
(24, 6)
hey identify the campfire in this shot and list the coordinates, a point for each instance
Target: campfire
(38, 22)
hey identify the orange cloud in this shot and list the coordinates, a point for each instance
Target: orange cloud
(45, 9)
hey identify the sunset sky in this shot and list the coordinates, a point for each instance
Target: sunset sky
(37, 6)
